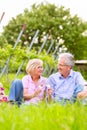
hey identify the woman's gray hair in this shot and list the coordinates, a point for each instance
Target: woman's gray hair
(32, 64)
(68, 57)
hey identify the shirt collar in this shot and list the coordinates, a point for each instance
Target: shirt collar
(70, 75)
(40, 79)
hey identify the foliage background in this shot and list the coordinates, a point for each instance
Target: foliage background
(69, 32)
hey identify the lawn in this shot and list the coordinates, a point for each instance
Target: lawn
(43, 117)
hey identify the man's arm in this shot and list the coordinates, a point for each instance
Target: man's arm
(82, 94)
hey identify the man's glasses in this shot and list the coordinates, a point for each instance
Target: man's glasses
(62, 65)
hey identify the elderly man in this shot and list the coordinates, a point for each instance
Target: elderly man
(67, 84)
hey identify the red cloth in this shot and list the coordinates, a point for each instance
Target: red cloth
(3, 97)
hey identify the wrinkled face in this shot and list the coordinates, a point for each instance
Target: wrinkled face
(38, 70)
(63, 69)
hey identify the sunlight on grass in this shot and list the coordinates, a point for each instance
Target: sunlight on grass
(43, 117)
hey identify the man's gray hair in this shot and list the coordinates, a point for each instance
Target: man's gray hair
(68, 57)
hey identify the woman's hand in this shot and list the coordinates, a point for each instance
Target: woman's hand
(31, 95)
(37, 92)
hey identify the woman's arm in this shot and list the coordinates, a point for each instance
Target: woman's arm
(28, 96)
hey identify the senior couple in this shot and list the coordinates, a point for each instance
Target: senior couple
(62, 86)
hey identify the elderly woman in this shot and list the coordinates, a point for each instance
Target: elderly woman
(32, 86)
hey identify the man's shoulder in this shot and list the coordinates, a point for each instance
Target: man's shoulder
(54, 74)
(76, 73)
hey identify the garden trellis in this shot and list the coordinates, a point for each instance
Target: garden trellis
(43, 44)
(5, 69)
(47, 70)
(29, 48)
(2, 16)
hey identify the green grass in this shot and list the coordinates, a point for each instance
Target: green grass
(7, 79)
(43, 117)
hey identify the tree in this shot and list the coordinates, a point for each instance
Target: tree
(66, 30)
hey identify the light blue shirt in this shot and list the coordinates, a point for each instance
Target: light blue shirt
(66, 88)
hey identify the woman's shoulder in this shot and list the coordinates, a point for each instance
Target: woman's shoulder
(27, 77)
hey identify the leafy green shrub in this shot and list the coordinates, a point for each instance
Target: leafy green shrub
(19, 55)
